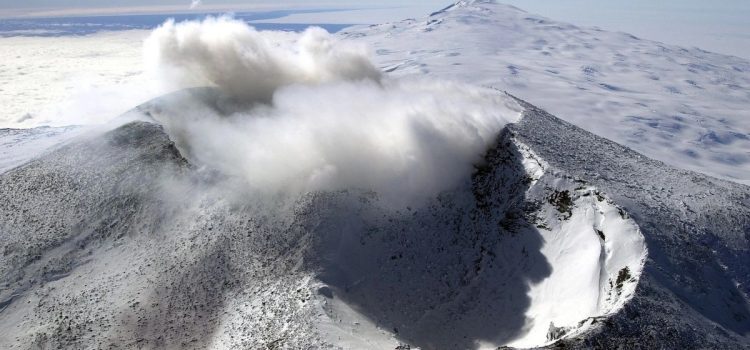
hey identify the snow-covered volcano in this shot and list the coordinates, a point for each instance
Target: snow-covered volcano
(118, 240)
(287, 214)
(519, 253)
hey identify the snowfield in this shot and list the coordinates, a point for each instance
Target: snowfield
(305, 199)
(686, 107)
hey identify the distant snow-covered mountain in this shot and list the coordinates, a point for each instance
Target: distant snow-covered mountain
(686, 107)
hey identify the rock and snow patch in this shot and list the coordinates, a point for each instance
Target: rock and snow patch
(498, 259)
(596, 252)
(585, 268)
(596, 256)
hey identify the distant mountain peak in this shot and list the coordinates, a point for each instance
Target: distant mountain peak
(473, 3)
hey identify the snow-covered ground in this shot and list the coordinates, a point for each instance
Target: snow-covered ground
(696, 279)
(686, 107)
(720, 27)
(596, 253)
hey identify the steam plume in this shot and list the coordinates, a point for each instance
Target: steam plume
(317, 114)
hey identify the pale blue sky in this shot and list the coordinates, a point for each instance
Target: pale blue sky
(721, 26)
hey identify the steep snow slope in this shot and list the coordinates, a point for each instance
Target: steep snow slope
(115, 240)
(596, 252)
(686, 107)
(693, 292)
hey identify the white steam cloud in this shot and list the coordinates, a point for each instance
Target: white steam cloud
(195, 3)
(315, 113)
(249, 64)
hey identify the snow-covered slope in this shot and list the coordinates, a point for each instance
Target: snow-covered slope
(18, 146)
(117, 240)
(686, 107)
(693, 292)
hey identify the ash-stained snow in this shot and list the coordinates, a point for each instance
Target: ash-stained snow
(686, 107)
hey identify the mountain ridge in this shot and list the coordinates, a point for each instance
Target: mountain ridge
(547, 150)
(328, 231)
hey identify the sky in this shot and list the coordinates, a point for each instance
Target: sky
(73, 7)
